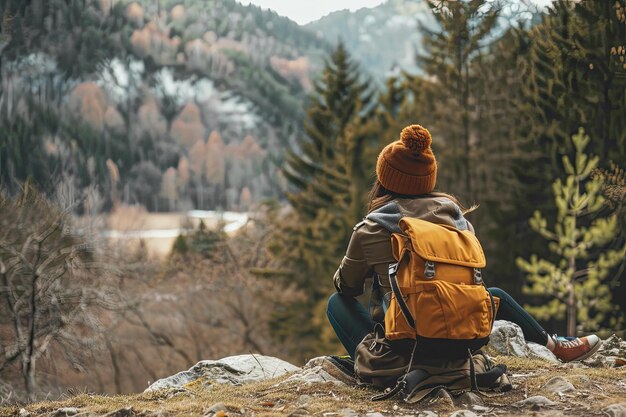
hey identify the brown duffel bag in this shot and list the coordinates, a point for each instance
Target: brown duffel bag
(382, 363)
(379, 362)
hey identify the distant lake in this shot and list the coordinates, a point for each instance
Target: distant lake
(158, 231)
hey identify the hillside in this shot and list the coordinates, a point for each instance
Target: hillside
(123, 120)
(169, 104)
(253, 383)
(535, 392)
(383, 38)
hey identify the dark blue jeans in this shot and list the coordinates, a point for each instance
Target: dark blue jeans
(351, 321)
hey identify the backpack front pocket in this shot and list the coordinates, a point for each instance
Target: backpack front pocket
(447, 310)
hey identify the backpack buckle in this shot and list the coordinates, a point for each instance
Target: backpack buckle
(478, 276)
(429, 269)
(393, 268)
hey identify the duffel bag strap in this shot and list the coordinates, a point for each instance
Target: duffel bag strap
(473, 383)
(400, 384)
(392, 392)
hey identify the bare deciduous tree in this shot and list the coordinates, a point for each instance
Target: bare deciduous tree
(49, 287)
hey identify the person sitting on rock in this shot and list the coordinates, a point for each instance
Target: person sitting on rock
(405, 187)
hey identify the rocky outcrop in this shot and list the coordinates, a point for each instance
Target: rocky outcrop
(237, 370)
(321, 387)
(313, 372)
(508, 339)
(234, 370)
(612, 354)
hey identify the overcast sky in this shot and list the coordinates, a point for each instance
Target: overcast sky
(305, 11)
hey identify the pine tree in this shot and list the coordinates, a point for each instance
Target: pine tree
(464, 27)
(614, 191)
(569, 83)
(600, 84)
(327, 182)
(577, 283)
(325, 171)
(503, 209)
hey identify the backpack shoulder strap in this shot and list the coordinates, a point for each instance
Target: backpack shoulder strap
(393, 280)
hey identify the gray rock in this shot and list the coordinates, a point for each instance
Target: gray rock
(534, 403)
(612, 349)
(576, 365)
(308, 376)
(481, 409)
(303, 400)
(172, 392)
(331, 369)
(374, 414)
(66, 411)
(464, 413)
(217, 407)
(122, 412)
(23, 413)
(299, 412)
(427, 413)
(583, 379)
(470, 398)
(615, 410)
(159, 413)
(541, 352)
(557, 385)
(507, 339)
(599, 361)
(442, 396)
(348, 412)
(233, 370)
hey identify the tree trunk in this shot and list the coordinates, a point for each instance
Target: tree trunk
(115, 365)
(200, 195)
(28, 373)
(571, 310)
(29, 363)
(466, 132)
(571, 296)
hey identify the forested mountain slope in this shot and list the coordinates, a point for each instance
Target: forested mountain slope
(171, 104)
(384, 39)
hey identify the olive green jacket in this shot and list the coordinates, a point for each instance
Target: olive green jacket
(369, 250)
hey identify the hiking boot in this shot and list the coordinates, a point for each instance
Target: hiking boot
(340, 367)
(569, 349)
(345, 363)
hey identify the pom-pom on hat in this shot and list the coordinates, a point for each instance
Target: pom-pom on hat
(408, 166)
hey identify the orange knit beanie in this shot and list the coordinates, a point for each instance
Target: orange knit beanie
(408, 166)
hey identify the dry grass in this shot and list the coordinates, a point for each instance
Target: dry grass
(595, 389)
(264, 398)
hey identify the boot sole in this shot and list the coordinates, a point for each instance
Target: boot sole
(590, 353)
(338, 370)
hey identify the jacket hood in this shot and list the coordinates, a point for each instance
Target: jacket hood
(440, 210)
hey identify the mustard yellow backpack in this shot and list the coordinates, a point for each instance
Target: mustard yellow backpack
(438, 298)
